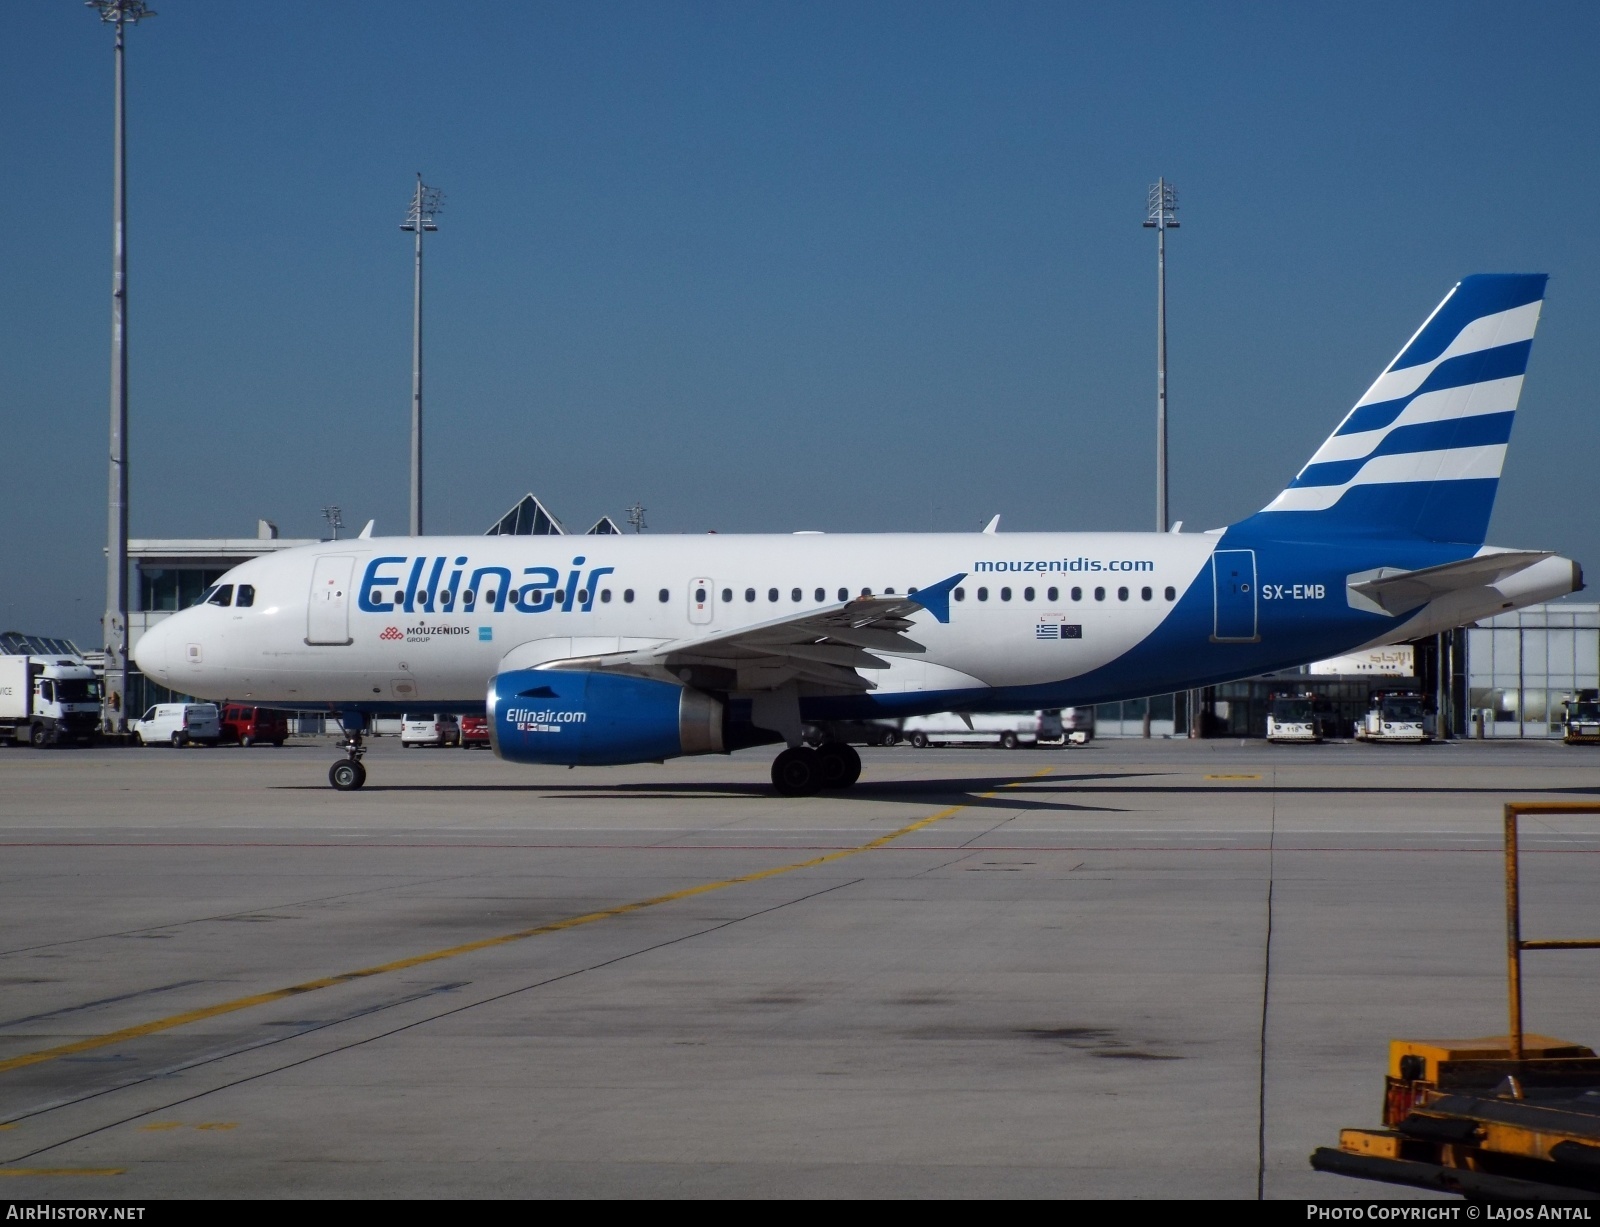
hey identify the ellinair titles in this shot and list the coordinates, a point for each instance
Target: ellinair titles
(642, 648)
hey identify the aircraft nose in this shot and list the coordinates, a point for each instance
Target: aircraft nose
(153, 652)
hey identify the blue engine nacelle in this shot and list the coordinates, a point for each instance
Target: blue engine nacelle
(591, 718)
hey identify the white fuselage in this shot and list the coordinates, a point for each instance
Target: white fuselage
(411, 622)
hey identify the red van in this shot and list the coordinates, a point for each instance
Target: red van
(250, 726)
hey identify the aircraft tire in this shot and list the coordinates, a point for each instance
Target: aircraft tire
(347, 775)
(840, 765)
(796, 772)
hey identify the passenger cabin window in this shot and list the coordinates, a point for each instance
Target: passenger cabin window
(627, 596)
(1027, 594)
(960, 594)
(700, 596)
(1052, 594)
(772, 594)
(821, 595)
(1145, 594)
(749, 594)
(1099, 594)
(1171, 594)
(727, 596)
(844, 594)
(983, 594)
(866, 592)
(468, 597)
(247, 596)
(605, 596)
(794, 594)
(663, 596)
(222, 595)
(1005, 594)
(489, 597)
(888, 592)
(1077, 594)
(1122, 594)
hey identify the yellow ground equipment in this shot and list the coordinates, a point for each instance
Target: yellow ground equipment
(1507, 1117)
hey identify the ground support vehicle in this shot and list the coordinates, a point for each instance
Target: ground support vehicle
(1293, 718)
(49, 700)
(432, 730)
(1006, 729)
(1582, 719)
(178, 725)
(1512, 1117)
(474, 732)
(1396, 715)
(253, 726)
(1077, 725)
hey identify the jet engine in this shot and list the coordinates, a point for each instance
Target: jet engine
(591, 718)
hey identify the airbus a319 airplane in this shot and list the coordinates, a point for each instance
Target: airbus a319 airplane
(613, 649)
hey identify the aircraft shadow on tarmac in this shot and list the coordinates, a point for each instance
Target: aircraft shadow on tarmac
(1012, 792)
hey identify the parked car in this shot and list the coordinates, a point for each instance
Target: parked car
(179, 724)
(250, 726)
(474, 732)
(433, 730)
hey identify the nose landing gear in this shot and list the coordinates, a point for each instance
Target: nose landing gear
(349, 774)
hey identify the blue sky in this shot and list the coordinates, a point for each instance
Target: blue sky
(767, 266)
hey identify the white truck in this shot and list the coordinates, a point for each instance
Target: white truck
(49, 699)
(1007, 729)
(1397, 715)
(1293, 718)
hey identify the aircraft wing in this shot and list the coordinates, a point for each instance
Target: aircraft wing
(1393, 591)
(821, 648)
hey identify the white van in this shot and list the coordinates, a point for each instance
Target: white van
(431, 730)
(1006, 729)
(178, 724)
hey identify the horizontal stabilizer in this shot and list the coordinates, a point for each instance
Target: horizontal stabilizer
(1389, 590)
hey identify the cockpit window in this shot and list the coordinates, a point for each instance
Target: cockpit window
(206, 596)
(246, 597)
(222, 595)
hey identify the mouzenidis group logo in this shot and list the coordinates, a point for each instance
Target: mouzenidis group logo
(391, 632)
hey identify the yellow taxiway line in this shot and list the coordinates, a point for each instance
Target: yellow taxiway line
(173, 1021)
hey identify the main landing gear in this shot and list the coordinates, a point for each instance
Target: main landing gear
(801, 771)
(349, 774)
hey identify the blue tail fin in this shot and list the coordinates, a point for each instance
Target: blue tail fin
(1420, 454)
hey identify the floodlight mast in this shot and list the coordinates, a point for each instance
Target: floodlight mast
(114, 624)
(426, 203)
(1161, 216)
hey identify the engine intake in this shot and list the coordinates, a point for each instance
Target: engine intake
(592, 718)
